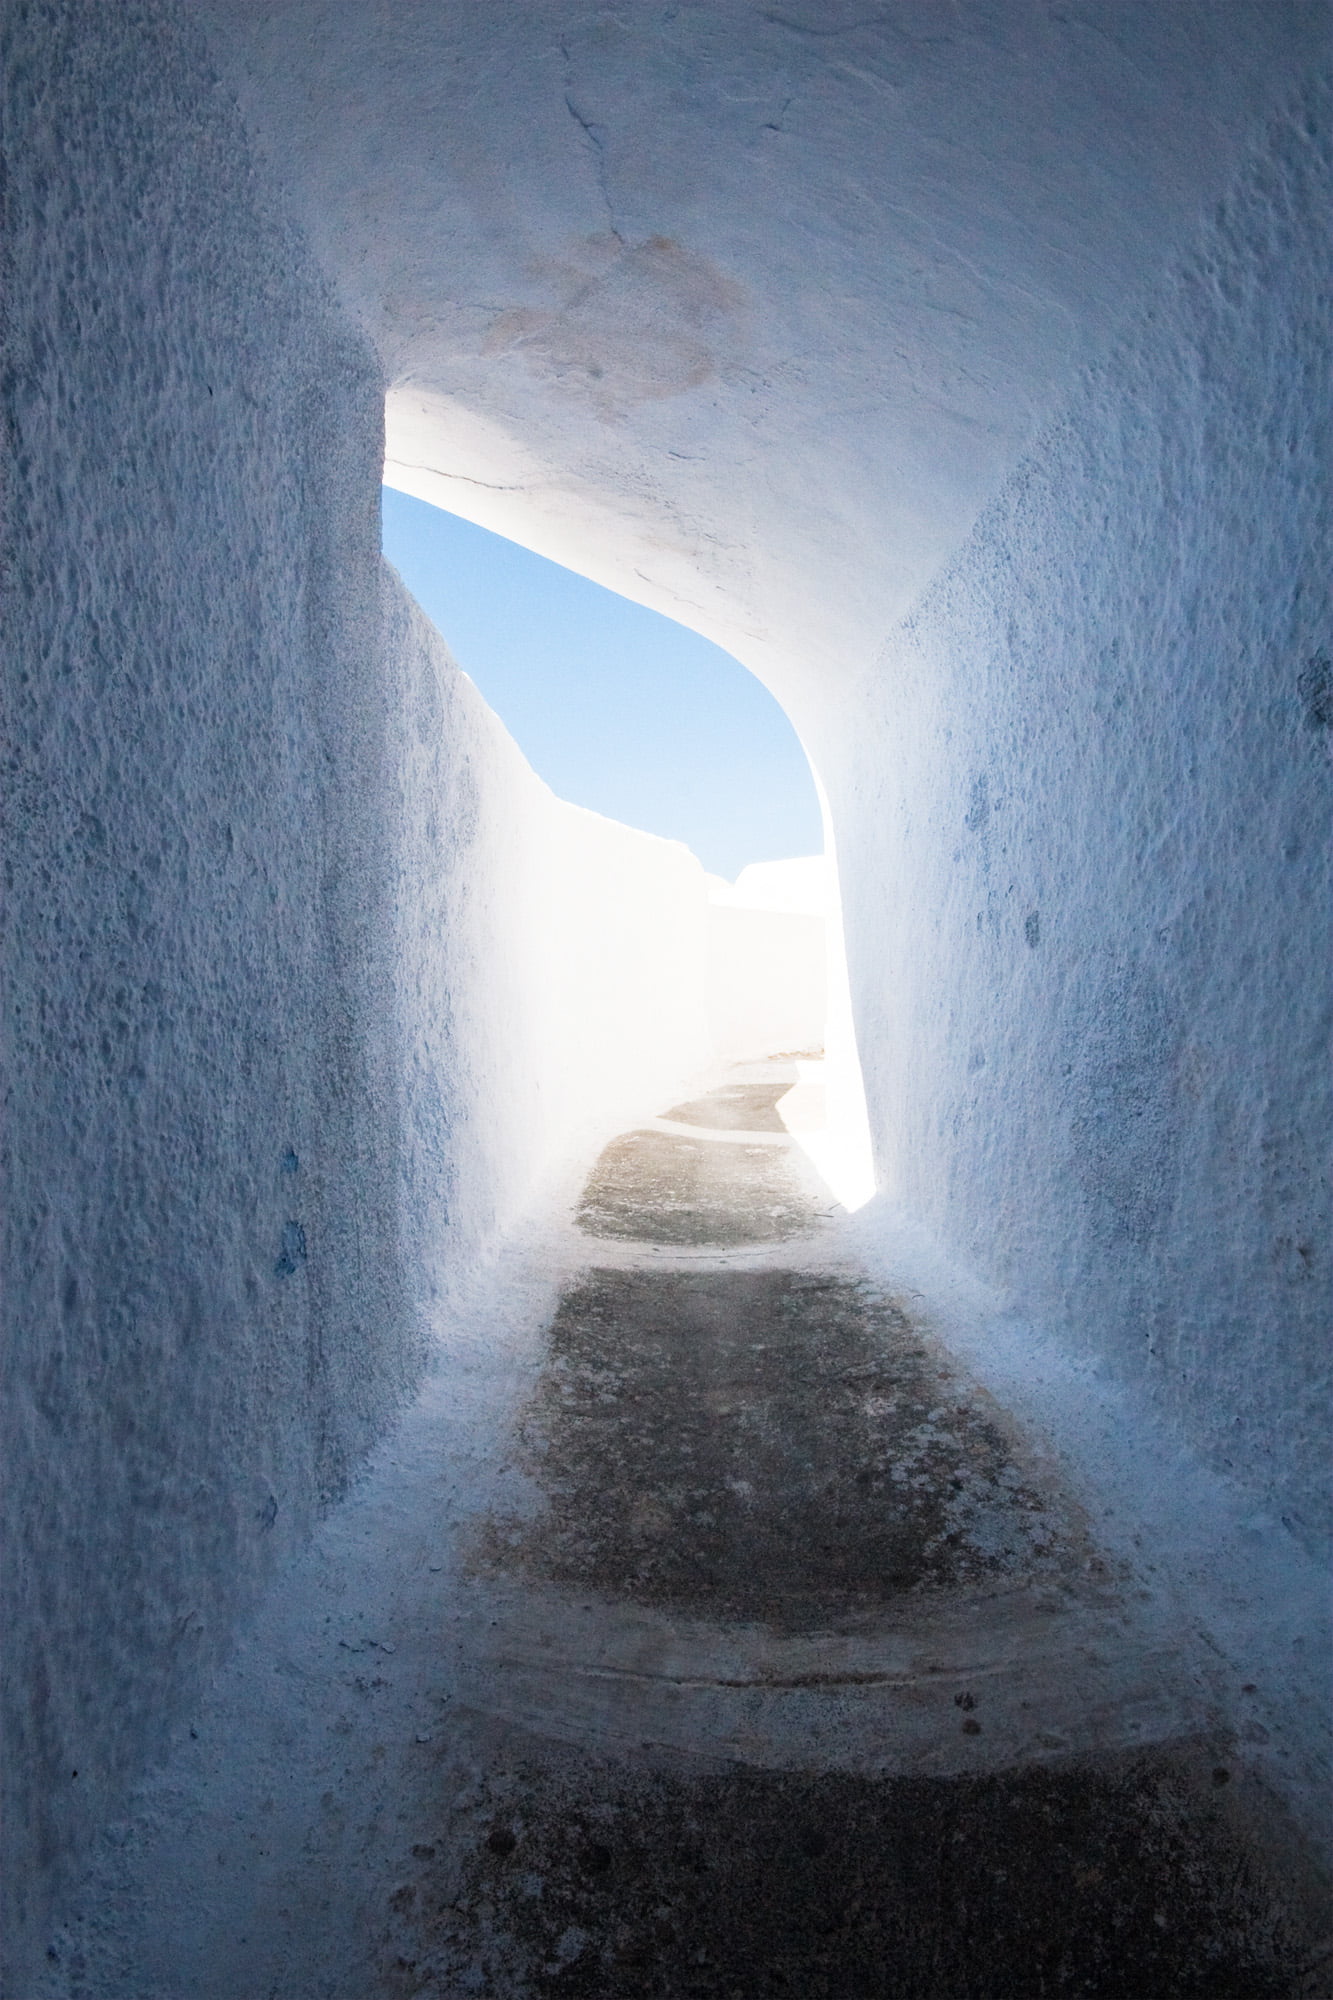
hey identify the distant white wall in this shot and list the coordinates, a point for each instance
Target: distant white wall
(767, 982)
(803, 886)
(779, 985)
(559, 974)
(768, 959)
(553, 965)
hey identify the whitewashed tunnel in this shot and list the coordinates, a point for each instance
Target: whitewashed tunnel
(965, 373)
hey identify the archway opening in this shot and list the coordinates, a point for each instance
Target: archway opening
(636, 718)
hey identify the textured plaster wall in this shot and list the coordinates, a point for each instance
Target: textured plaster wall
(298, 997)
(1084, 835)
(205, 1320)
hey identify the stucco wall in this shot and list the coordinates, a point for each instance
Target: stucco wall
(298, 997)
(1084, 834)
(204, 1315)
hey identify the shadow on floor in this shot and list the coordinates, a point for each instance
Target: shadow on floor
(590, 1881)
(777, 1446)
(755, 1453)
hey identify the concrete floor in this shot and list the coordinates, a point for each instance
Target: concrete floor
(708, 1631)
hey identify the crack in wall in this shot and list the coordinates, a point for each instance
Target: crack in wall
(594, 134)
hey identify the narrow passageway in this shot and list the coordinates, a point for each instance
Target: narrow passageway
(800, 1640)
(435, 1562)
(718, 1637)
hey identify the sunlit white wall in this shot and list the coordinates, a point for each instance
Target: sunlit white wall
(553, 963)
(768, 975)
(780, 983)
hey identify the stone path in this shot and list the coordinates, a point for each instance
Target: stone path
(733, 1643)
(813, 1679)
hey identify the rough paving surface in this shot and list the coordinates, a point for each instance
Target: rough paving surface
(659, 1187)
(776, 1446)
(782, 1449)
(723, 1639)
(598, 1881)
(738, 1107)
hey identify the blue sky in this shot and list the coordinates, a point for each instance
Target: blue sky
(616, 707)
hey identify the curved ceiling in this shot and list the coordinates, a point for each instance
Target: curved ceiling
(746, 309)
